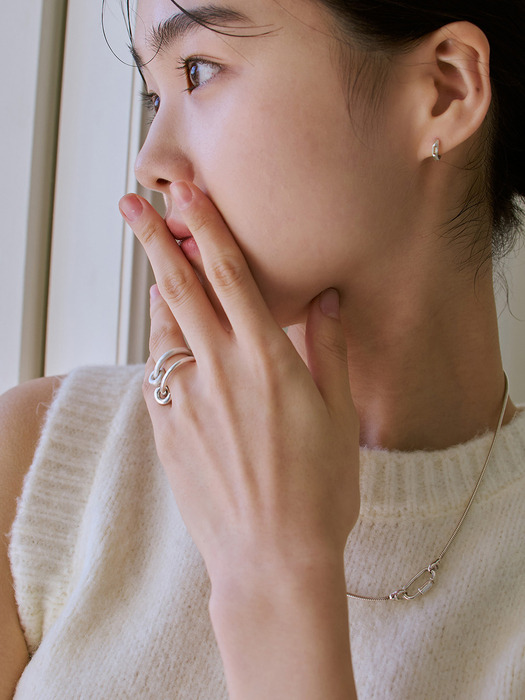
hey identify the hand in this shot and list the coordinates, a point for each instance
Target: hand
(258, 449)
(261, 451)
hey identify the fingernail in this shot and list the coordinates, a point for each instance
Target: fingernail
(154, 293)
(329, 303)
(130, 207)
(181, 194)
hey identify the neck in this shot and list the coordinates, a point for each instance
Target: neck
(424, 360)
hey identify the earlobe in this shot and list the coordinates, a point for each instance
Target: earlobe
(461, 95)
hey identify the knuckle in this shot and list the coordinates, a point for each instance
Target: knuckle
(270, 363)
(148, 233)
(159, 338)
(176, 286)
(226, 273)
(200, 221)
(269, 355)
(333, 346)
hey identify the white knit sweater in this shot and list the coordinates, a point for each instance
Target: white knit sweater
(113, 594)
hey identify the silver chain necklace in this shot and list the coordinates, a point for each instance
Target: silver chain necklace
(423, 581)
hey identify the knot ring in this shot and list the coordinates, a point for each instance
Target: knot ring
(159, 377)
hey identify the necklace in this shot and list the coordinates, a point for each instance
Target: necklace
(423, 581)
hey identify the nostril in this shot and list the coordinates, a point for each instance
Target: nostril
(161, 182)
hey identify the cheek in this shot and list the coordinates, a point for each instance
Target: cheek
(283, 218)
(288, 179)
(280, 180)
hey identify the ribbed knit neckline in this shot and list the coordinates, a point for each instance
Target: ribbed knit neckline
(392, 483)
(395, 483)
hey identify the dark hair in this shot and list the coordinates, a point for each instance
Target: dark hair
(383, 28)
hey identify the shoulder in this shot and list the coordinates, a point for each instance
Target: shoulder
(22, 414)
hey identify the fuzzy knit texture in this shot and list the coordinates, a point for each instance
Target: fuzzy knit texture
(113, 594)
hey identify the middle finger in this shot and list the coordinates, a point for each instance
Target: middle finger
(176, 279)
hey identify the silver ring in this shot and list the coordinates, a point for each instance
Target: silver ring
(162, 392)
(155, 378)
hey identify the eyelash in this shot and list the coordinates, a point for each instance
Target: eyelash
(148, 99)
(185, 65)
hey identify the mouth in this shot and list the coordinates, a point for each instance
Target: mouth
(179, 232)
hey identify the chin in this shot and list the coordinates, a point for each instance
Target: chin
(286, 316)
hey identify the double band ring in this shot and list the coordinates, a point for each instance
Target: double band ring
(159, 377)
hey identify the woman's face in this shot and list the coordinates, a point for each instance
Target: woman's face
(266, 133)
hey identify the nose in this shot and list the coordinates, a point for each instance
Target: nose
(161, 159)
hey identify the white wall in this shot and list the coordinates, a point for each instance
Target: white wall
(28, 129)
(68, 142)
(96, 267)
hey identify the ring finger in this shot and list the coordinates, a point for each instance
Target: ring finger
(165, 332)
(168, 348)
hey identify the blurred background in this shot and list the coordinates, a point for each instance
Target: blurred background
(73, 282)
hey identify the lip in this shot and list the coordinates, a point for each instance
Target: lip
(178, 230)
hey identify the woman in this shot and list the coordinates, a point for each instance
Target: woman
(345, 170)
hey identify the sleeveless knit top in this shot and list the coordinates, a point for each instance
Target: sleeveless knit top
(113, 594)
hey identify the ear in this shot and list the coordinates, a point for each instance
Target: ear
(453, 90)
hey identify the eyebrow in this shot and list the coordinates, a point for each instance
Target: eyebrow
(181, 24)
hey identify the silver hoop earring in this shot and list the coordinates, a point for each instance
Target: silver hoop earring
(435, 150)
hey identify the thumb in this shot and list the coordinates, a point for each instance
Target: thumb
(327, 352)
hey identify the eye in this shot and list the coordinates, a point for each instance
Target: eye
(199, 71)
(152, 101)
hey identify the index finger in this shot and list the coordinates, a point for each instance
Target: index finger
(224, 264)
